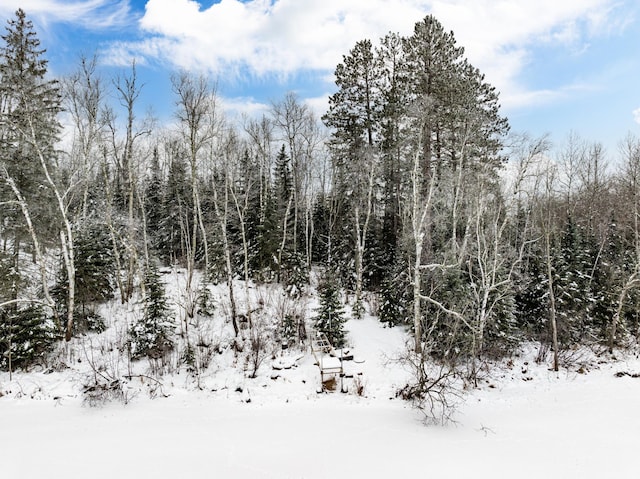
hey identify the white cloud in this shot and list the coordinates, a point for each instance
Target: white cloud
(266, 37)
(500, 35)
(318, 105)
(238, 107)
(279, 38)
(636, 115)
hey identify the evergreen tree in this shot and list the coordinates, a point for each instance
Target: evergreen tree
(266, 245)
(152, 335)
(393, 101)
(29, 106)
(616, 263)
(176, 206)
(396, 297)
(330, 318)
(573, 283)
(9, 284)
(154, 202)
(27, 335)
(94, 275)
(291, 267)
(322, 229)
(283, 189)
(531, 297)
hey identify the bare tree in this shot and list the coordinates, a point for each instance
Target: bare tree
(84, 95)
(548, 225)
(128, 91)
(196, 107)
(223, 153)
(298, 128)
(260, 138)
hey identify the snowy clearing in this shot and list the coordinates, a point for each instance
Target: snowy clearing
(525, 421)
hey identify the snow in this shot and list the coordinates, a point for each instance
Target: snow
(521, 421)
(582, 426)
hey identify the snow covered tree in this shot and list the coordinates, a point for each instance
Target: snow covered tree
(396, 297)
(29, 107)
(94, 278)
(196, 103)
(29, 104)
(283, 201)
(175, 220)
(296, 126)
(151, 336)
(354, 116)
(154, 202)
(28, 334)
(330, 314)
(84, 99)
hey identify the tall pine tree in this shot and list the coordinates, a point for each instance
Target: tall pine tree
(29, 104)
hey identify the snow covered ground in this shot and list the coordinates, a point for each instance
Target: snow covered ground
(523, 421)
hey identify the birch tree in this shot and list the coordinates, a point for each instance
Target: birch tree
(123, 151)
(84, 95)
(196, 107)
(29, 129)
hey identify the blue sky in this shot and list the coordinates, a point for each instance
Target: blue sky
(560, 65)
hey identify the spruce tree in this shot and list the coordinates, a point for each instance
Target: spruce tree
(28, 133)
(151, 336)
(94, 276)
(154, 202)
(291, 267)
(330, 318)
(27, 334)
(30, 103)
(176, 205)
(395, 297)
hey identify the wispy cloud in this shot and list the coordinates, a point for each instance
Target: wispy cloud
(92, 14)
(636, 115)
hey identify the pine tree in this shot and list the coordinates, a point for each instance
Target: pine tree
(154, 202)
(354, 115)
(30, 104)
(151, 335)
(531, 297)
(393, 101)
(330, 318)
(9, 284)
(609, 275)
(395, 297)
(94, 276)
(322, 228)
(176, 205)
(573, 283)
(28, 334)
(290, 264)
(283, 185)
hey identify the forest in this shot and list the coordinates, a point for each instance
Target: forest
(410, 200)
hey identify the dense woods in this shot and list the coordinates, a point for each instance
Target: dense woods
(410, 199)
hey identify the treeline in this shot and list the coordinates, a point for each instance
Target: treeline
(410, 192)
